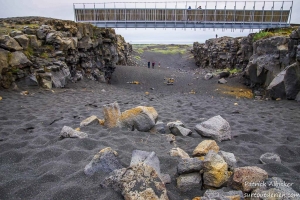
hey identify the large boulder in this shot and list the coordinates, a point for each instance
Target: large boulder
(215, 170)
(141, 118)
(276, 89)
(137, 182)
(292, 81)
(60, 76)
(247, 178)
(19, 60)
(149, 158)
(9, 43)
(105, 160)
(23, 40)
(34, 42)
(216, 127)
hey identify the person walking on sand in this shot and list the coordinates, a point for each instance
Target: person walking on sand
(216, 35)
(149, 64)
(153, 63)
(159, 64)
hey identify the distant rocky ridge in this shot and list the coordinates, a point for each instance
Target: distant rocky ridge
(270, 66)
(49, 52)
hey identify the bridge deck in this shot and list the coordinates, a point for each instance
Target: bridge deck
(181, 18)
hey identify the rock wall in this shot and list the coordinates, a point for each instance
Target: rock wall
(270, 66)
(49, 52)
(224, 52)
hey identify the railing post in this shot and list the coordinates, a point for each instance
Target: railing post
(205, 14)
(115, 10)
(225, 16)
(262, 18)
(244, 14)
(290, 13)
(94, 13)
(75, 19)
(125, 16)
(83, 12)
(281, 13)
(165, 14)
(145, 16)
(155, 16)
(215, 14)
(253, 15)
(272, 14)
(234, 12)
(175, 15)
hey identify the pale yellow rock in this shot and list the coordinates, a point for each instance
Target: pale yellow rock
(0, 98)
(177, 152)
(111, 114)
(215, 170)
(77, 129)
(205, 146)
(147, 93)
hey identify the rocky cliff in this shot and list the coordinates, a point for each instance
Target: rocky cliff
(49, 52)
(270, 66)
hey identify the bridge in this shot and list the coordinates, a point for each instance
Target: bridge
(189, 14)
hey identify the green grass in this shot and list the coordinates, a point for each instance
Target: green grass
(169, 50)
(137, 57)
(272, 33)
(44, 55)
(28, 52)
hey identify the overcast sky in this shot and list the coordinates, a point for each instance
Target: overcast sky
(63, 9)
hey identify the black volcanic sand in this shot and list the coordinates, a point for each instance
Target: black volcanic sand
(36, 164)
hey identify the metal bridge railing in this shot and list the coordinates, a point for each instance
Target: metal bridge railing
(271, 13)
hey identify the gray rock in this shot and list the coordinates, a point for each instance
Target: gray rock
(229, 159)
(19, 60)
(170, 138)
(276, 88)
(269, 158)
(23, 40)
(34, 42)
(221, 194)
(189, 165)
(292, 81)
(60, 78)
(187, 182)
(160, 127)
(105, 160)
(208, 76)
(90, 120)
(141, 118)
(43, 31)
(222, 81)
(9, 43)
(148, 186)
(174, 124)
(15, 33)
(68, 132)
(298, 97)
(215, 127)
(179, 130)
(149, 158)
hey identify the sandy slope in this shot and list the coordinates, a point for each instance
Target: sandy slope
(36, 164)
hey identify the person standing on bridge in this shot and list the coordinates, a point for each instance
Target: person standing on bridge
(153, 63)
